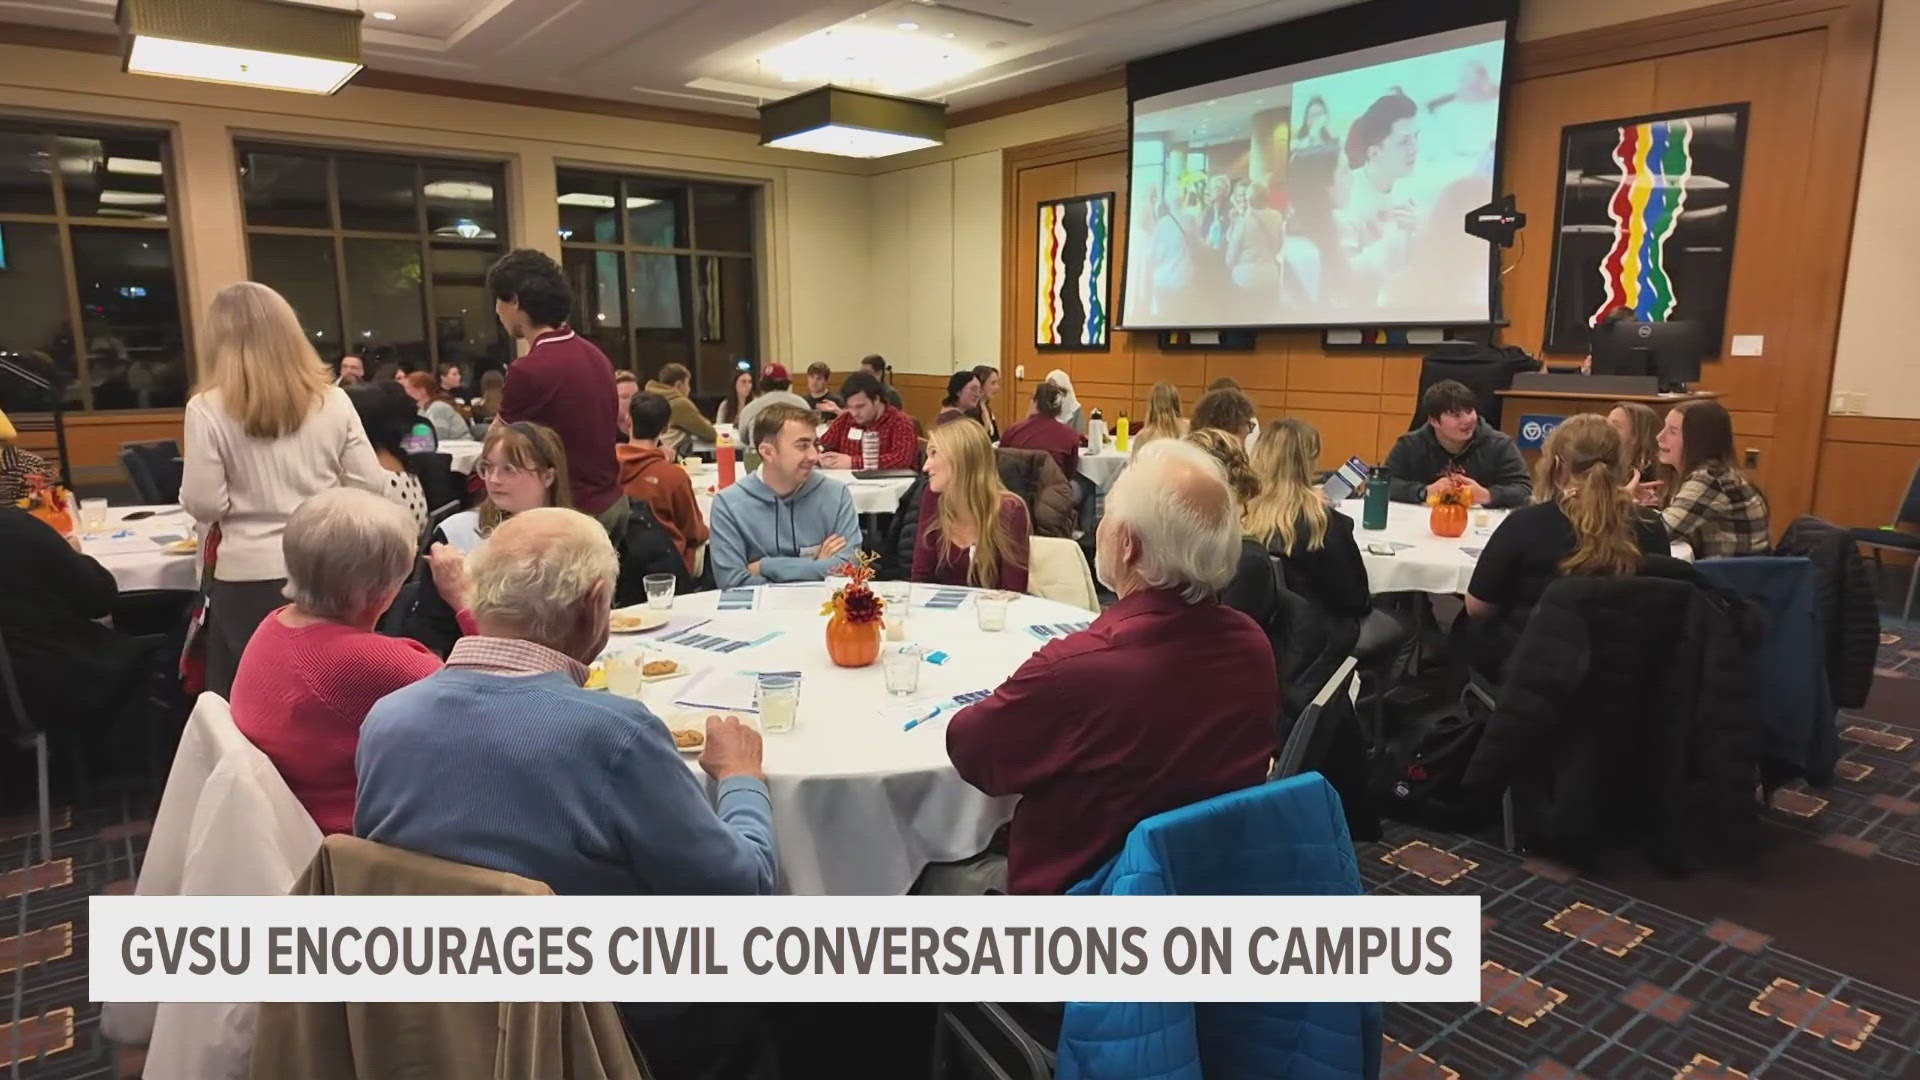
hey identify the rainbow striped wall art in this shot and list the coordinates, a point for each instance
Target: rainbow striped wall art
(1646, 222)
(1074, 295)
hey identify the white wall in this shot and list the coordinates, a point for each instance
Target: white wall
(936, 264)
(1874, 357)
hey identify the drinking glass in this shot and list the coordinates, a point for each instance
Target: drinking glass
(898, 597)
(991, 610)
(93, 515)
(623, 674)
(779, 696)
(902, 666)
(659, 591)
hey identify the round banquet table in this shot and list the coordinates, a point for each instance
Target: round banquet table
(869, 496)
(860, 805)
(464, 452)
(1103, 468)
(1423, 562)
(136, 559)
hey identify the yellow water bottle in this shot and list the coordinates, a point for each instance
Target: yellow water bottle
(1120, 434)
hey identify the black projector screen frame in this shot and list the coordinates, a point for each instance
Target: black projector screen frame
(1252, 294)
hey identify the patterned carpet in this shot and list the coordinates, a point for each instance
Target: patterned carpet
(1581, 979)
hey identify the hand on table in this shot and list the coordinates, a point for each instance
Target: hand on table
(733, 749)
(449, 568)
(834, 460)
(834, 545)
(1478, 495)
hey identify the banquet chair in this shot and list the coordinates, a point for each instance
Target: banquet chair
(25, 734)
(1894, 538)
(1302, 745)
(153, 468)
(1057, 570)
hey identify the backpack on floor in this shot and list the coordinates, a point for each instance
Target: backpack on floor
(1420, 783)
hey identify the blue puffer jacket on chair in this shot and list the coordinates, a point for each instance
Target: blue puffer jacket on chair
(1284, 838)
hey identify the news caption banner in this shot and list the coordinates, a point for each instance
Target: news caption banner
(784, 949)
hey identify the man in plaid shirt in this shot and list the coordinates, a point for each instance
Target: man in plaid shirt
(867, 410)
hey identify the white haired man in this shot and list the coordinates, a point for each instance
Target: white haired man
(1169, 698)
(504, 760)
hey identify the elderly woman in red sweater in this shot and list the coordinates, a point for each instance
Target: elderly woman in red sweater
(314, 667)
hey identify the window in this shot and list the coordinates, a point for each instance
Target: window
(86, 240)
(663, 271)
(383, 257)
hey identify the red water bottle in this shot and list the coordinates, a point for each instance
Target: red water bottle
(723, 454)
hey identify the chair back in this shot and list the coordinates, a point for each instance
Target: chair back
(1483, 369)
(20, 727)
(1789, 669)
(1909, 512)
(435, 471)
(154, 469)
(1057, 570)
(1302, 738)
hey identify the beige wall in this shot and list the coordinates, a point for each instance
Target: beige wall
(1874, 360)
(815, 271)
(936, 265)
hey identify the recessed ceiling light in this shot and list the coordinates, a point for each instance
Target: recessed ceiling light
(909, 26)
(385, 16)
(948, 36)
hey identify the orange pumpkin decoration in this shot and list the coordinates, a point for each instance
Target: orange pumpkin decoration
(852, 644)
(1448, 519)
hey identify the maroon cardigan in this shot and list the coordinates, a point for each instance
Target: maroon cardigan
(944, 564)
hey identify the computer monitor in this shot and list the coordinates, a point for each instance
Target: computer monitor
(1670, 351)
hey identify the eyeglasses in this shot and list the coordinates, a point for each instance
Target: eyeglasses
(486, 470)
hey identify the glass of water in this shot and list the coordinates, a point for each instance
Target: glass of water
(93, 515)
(902, 665)
(659, 591)
(991, 610)
(779, 695)
(898, 596)
(623, 674)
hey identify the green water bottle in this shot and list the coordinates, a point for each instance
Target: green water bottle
(1374, 513)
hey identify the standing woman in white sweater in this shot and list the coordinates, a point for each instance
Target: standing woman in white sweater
(266, 431)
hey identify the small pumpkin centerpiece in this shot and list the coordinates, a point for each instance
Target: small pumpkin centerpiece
(48, 501)
(854, 616)
(1450, 497)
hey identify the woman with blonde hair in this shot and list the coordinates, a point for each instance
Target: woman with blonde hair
(1163, 416)
(1313, 541)
(1639, 428)
(1583, 521)
(1231, 453)
(973, 531)
(266, 431)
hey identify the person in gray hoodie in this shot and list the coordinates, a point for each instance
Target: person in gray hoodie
(785, 522)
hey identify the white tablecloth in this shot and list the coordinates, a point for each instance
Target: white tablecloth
(1104, 467)
(869, 496)
(861, 806)
(129, 551)
(464, 452)
(1425, 562)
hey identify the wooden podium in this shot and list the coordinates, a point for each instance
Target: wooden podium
(1519, 405)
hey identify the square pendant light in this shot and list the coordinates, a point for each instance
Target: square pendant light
(852, 123)
(264, 43)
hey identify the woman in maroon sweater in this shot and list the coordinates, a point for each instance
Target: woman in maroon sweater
(973, 531)
(314, 668)
(1043, 430)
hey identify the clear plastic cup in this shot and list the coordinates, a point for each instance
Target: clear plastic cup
(898, 597)
(991, 610)
(779, 696)
(659, 591)
(93, 515)
(902, 666)
(623, 674)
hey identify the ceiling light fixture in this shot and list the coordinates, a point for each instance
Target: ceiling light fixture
(852, 123)
(585, 198)
(133, 166)
(262, 43)
(909, 26)
(385, 16)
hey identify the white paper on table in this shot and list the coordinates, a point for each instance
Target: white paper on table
(719, 690)
(807, 596)
(101, 544)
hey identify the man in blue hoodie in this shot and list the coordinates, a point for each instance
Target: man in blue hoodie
(785, 522)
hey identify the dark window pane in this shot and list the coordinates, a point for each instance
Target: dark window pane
(586, 208)
(465, 203)
(594, 277)
(26, 173)
(377, 196)
(658, 311)
(656, 214)
(468, 332)
(285, 189)
(130, 310)
(729, 324)
(722, 218)
(302, 269)
(116, 177)
(34, 311)
(383, 302)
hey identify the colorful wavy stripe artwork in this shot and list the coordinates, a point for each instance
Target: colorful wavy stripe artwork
(1075, 237)
(1656, 164)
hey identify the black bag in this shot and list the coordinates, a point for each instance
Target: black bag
(1421, 784)
(647, 550)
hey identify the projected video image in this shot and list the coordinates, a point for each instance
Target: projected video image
(1325, 193)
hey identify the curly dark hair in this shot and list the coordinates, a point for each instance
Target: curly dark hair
(535, 282)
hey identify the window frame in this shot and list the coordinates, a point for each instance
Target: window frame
(49, 130)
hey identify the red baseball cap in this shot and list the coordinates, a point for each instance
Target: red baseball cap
(773, 371)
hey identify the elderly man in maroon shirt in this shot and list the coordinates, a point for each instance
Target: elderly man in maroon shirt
(564, 381)
(1170, 697)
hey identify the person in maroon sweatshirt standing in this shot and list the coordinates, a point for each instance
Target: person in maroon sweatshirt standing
(564, 381)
